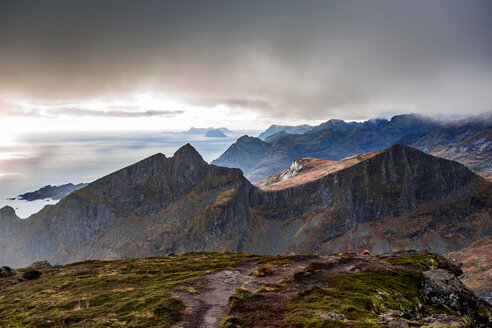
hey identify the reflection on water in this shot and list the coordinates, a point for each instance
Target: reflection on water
(59, 158)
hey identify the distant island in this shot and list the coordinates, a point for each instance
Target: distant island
(49, 191)
(194, 130)
(215, 133)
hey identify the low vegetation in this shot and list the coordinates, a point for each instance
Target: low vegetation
(125, 293)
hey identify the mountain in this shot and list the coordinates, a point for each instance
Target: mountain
(53, 192)
(327, 143)
(467, 141)
(274, 137)
(399, 198)
(290, 129)
(215, 133)
(335, 124)
(215, 289)
(245, 153)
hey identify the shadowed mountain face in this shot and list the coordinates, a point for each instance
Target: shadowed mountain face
(162, 205)
(468, 142)
(287, 129)
(332, 140)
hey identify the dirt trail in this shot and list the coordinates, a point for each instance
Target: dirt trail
(206, 308)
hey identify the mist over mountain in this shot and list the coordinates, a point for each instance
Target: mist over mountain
(337, 141)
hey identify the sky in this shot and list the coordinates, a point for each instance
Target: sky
(169, 65)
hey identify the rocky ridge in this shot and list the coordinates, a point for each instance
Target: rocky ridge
(398, 198)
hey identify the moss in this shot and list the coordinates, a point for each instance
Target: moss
(239, 298)
(420, 262)
(231, 322)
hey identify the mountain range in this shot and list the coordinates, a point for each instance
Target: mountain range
(468, 141)
(398, 198)
(333, 140)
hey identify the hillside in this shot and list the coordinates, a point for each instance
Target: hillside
(304, 170)
(245, 290)
(467, 141)
(258, 159)
(477, 267)
(399, 198)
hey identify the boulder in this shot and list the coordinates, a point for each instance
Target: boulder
(441, 286)
(31, 274)
(41, 264)
(6, 271)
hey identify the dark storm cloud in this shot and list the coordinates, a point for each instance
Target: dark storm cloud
(299, 59)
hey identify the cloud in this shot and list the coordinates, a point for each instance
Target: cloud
(111, 113)
(309, 60)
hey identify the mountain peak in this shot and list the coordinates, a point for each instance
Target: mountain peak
(188, 153)
(8, 212)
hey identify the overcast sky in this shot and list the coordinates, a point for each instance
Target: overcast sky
(174, 64)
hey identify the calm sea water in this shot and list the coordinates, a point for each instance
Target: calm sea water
(35, 160)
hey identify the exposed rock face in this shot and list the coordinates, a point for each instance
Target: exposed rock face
(399, 198)
(441, 286)
(41, 264)
(6, 271)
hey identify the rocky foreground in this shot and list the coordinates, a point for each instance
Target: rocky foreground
(404, 289)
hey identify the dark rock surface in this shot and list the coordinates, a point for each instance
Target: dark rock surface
(6, 271)
(31, 274)
(40, 264)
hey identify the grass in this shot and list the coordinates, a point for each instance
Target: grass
(125, 293)
(361, 297)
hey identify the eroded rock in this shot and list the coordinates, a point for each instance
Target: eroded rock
(6, 271)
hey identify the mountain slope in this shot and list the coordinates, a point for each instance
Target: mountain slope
(333, 144)
(468, 142)
(398, 198)
(290, 129)
(127, 212)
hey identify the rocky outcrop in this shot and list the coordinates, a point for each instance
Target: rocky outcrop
(6, 271)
